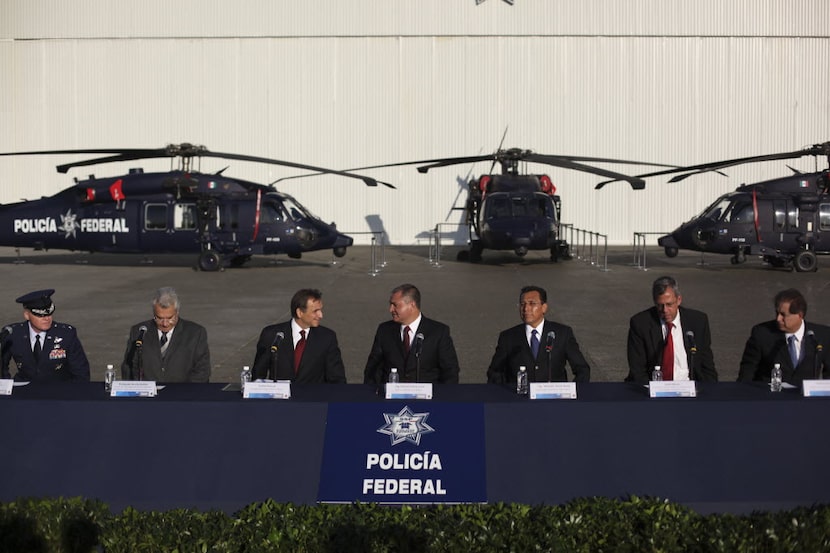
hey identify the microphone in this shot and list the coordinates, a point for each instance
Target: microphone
(275, 345)
(5, 333)
(418, 345)
(690, 338)
(140, 340)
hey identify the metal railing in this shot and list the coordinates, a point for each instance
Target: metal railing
(435, 242)
(376, 264)
(585, 245)
(639, 248)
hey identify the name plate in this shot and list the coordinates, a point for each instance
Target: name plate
(816, 388)
(133, 388)
(267, 390)
(553, 390)
(409, 390)
(6, 385)
(672, 388)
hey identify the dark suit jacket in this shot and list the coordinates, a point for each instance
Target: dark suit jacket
(438, 361)
(62, 357)
(513, 351)
(321, 362)
(645, 345)
(187, 358)
(767, 345)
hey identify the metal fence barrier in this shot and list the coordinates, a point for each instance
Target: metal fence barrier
(585, 245)
(377, 264)
(435, 242)
(640, 248)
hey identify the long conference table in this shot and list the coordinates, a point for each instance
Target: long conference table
(734, 448)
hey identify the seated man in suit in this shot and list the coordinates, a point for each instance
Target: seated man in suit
(420, 348)
(674, 337)
(801, 348)
(310, 354)
(41, 348)
(541, 345)
(167, 348)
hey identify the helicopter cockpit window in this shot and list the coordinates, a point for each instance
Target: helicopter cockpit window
(824, 217)
(184, 217)
(271, 213)
(716, 210)
(297, 210)
(741, 213)
(155, 217)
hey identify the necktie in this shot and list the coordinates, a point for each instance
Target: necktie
(163, 343)
(36, 350)
(534, 343)
(793, 347)
(298, 351)
(668, 354)
(406, 341)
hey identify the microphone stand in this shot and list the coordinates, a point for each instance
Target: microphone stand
(817, 372)
(550, 367)
(417, 366)
(272, 369)
(139, 361)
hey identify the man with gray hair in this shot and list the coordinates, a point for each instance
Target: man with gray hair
(167, 348)
(676, 338)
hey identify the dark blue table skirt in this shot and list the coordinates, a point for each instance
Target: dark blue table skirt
(734, 448)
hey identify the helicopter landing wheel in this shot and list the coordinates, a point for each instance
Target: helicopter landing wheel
(475, 252)
(209, 261)
(805, 261)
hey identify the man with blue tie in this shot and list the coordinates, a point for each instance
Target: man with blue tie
(42, 349)
(801, 348)
(541, 345)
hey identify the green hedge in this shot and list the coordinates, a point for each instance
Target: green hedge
(594, 525)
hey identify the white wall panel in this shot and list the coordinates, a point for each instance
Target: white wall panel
(364, 82)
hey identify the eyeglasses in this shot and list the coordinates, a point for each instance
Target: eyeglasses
(166, 320)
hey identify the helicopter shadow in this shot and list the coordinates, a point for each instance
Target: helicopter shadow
(98, 259)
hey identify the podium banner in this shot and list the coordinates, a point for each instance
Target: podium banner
(404, 453)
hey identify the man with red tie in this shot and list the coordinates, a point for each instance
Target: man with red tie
(675, 338)
(300, 350)
(420, 348)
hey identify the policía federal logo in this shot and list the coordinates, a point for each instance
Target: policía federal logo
(405, 426)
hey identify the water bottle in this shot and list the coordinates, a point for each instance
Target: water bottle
(109, 376)
(394, 377)
(244, 376)
(775, 378)
(657, 373)
(521, 381)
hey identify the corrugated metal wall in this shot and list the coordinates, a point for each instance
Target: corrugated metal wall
(363, 82)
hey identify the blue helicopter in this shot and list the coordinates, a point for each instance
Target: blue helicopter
(225, 221)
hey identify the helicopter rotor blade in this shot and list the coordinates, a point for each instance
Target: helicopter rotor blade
(815, 150)
(184, 150)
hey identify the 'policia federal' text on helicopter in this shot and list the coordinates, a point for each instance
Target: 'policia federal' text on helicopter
(786, 220)
(517, 211)
(224, 220)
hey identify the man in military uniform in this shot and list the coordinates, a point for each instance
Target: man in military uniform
(42, 349)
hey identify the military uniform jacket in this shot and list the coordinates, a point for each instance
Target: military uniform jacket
(62, 356)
